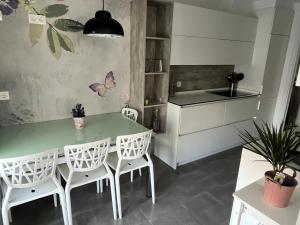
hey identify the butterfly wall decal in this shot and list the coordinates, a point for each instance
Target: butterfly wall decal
(102, 89)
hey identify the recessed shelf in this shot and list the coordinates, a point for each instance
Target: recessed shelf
(156, 73)
(157, 38)
(155, 104)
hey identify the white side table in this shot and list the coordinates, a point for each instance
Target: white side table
(249, 203)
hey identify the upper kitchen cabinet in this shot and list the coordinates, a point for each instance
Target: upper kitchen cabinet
(194, 21)
(215, 38)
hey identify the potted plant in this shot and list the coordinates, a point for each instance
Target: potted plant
(279, 148)
(78, 116)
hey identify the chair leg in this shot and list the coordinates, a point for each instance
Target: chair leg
(152, 182)
(131, 176)
(5, 209)
(97, 183)
(106, 182)
(101, 186)
(5, 216)
(113, 195)
(9, 215)
(63, 204)
(118, 193)
(140, 171)
(59, 181)
(68, 204)
(55, 200)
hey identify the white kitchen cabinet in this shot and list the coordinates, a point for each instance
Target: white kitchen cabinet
(201, 117)
(205, 51)
(195, 21)
(215, 38)
(208, 142)
(240, 110)
(200, 130)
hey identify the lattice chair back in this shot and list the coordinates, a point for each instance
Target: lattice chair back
(130, 113)
(133, 146)
(88, 156)
(29, 171)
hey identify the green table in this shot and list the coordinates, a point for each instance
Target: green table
(32, 138)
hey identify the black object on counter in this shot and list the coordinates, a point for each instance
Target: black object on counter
(233, 80)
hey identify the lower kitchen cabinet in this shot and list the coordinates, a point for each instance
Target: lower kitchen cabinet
(201, 117)
(200, 130)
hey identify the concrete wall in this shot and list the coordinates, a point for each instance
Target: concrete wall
(200, 77)
(42, 87)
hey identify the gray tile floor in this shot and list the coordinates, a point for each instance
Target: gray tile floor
(199, 193)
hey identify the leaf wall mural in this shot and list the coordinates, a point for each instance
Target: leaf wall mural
(56, 10)
(57, 39)
(7, 7)
(35, 32)
(65, 42)
(53, 41)
(68, 25)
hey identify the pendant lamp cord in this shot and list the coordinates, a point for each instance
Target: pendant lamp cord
(103, 4)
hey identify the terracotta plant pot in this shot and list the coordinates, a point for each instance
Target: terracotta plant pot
(79, 122)
(279, 195)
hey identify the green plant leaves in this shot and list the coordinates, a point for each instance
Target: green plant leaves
(68, 25)
(54, 43)
(35, 32)
(55, 10)
(277, 145)
(65, 42)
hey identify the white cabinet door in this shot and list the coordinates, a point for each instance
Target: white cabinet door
(240, 110)
(274, 65)
(204, 51)
(191, 20)
(207, 142)
(201, 117)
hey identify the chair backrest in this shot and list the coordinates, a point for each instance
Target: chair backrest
(130, 113)
(88, 156)
(29, 171)
(133, 146)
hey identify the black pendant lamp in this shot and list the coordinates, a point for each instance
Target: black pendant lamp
(103, 26)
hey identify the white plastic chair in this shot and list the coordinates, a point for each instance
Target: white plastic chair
(130, 113)
(29, 178)
(133, 115)
(131, 150)
(86, 163)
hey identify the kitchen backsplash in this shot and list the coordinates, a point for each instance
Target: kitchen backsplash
(199, 77)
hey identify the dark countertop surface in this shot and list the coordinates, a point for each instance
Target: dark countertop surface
(184, 99)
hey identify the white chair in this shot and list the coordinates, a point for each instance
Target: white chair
(86, 163)
(130, 113)
(131, 150)
(133, 115)
(29, 178)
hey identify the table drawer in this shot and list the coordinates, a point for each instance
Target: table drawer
(201, 117)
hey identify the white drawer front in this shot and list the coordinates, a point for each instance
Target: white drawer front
(201, 117)
(240, 110)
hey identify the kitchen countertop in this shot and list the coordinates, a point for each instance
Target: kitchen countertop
(190, 98)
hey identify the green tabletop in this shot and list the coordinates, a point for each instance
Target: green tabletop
(32, 138)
